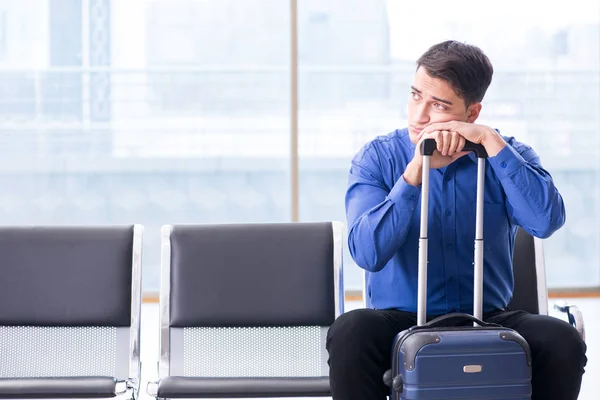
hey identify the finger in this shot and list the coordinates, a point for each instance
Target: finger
(438, 140)
(461, 143)
(460, 148)
(454, 142)
(446, 141)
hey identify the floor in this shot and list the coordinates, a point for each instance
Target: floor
(589, 307)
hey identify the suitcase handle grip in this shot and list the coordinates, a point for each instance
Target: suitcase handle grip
(439, 320)
(428, 146)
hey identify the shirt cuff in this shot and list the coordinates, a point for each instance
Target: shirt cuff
(404, 193)
(506, 162)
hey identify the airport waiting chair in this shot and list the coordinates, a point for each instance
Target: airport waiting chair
(245, 308)
(530, 292)
(70, 301)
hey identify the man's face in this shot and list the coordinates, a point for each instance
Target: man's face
(434, 100)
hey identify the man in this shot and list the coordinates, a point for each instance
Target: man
(383, 215)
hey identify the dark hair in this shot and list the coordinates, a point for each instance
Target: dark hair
(465, 67)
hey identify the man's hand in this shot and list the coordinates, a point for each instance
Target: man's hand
(478, 134)
(449, 149)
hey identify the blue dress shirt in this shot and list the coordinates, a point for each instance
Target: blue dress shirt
(383, 216)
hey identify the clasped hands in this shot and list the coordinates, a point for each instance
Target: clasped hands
(450, 138)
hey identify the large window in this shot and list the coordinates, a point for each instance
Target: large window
(169, 111)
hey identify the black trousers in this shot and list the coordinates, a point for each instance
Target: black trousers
(359, 345)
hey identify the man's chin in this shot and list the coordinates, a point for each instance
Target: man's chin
(413, 134)
(413, 137)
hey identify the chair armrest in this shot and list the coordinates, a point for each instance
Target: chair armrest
(61, 388)
(177, 387)
(574, 315)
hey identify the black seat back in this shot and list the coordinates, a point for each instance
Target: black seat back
(526, 296)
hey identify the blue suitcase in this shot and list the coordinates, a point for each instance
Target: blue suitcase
(435, 361)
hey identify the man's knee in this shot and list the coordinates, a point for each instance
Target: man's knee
(561, 345)
(349, 327)
(354, 331)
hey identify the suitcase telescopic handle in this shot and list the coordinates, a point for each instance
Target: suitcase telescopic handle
(428, 146)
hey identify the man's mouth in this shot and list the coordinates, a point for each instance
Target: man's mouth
(416, 130)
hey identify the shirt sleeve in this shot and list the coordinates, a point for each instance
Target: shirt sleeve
(533, 201)
(378, 218)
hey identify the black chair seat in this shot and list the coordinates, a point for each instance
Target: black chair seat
(67, 387)
(191, 387)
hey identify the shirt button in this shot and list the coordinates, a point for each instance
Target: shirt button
(449, 245)
(503, 164)
(448, 212)
(448, 179)
(412, 197)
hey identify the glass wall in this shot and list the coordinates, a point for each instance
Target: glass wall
(167, 111)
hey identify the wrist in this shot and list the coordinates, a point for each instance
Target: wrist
(413, 173)
(493, 143)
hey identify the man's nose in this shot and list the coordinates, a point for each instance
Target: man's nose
(421, 114)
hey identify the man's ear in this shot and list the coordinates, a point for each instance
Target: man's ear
(473, 112)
